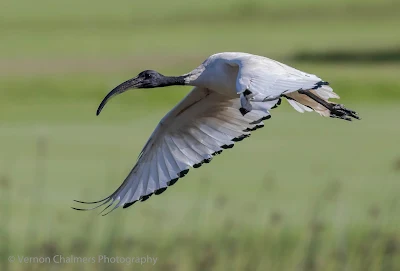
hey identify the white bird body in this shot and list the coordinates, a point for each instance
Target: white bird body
(233, 93)
(231, 73)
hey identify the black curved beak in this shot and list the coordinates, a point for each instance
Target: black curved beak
(131, 83)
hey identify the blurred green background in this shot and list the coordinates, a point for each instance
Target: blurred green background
(304, 193)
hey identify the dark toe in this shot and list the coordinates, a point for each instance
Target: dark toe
(341, 112)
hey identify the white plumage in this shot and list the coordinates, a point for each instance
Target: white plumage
(233, 93)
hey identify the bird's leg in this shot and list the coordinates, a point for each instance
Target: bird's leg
(245, 103)
(337, 110)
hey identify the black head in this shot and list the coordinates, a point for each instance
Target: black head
(145, 79)
(150, 79)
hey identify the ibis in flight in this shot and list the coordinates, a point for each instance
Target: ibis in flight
(233, 93)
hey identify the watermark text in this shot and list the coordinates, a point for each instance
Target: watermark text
(72, 259)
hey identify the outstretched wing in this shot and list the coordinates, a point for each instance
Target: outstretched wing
(201, 126)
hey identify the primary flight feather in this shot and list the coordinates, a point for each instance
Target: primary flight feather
(233, 93)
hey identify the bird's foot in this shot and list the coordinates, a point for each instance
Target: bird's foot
(340, 112)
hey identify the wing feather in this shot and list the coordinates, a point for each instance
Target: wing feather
(198, 128)
(170, 161)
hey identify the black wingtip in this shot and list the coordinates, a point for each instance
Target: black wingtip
(243, 111)
(144, 198)
(126, 205)
(80, 209)
(183, 173)
(90, 202)
(172, 182)
(160, 191)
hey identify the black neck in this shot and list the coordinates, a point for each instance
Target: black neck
(173, 81)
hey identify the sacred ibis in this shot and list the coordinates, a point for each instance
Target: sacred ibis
(233, 93)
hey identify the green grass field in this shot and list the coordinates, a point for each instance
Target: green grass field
(303, 193)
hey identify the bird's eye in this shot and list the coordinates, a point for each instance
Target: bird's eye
(147, 76)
